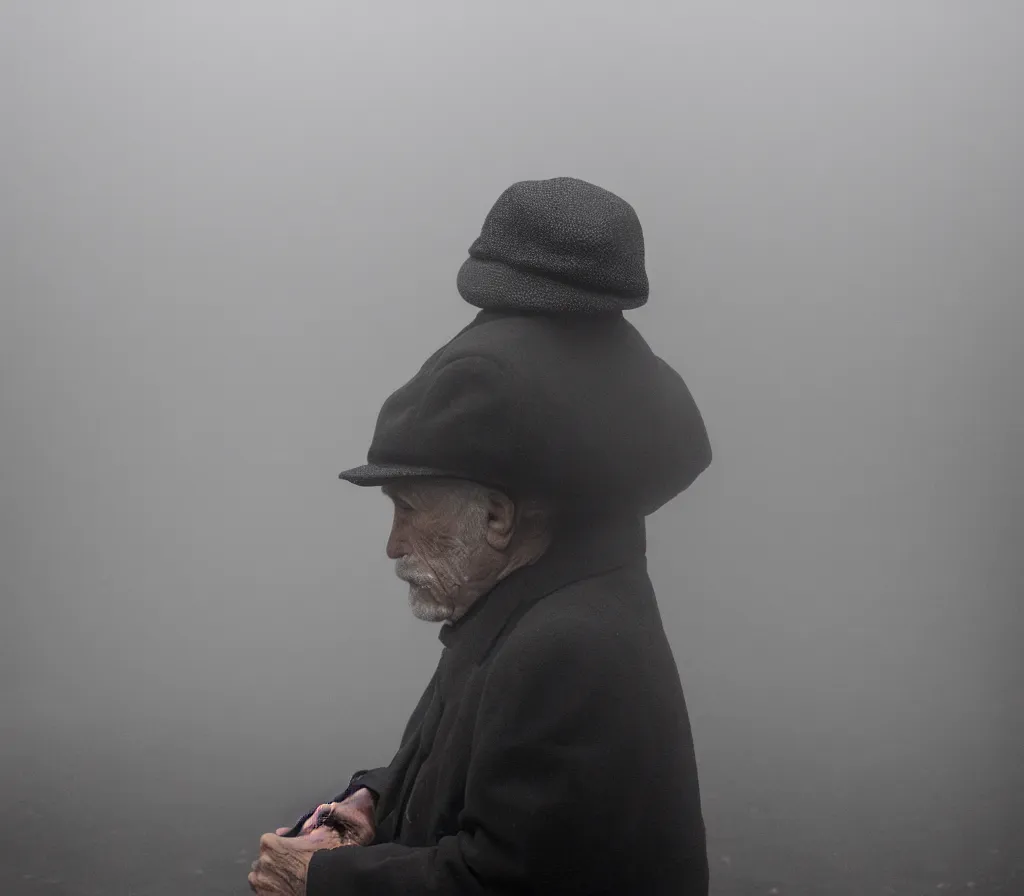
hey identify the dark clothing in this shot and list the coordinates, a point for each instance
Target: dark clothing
(550, 390)
(578, 410)
(551, 751)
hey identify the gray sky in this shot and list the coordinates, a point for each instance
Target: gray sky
(230, 230)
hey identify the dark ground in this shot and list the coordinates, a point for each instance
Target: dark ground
(162, 814)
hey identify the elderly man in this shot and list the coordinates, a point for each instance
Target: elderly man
(551, 750)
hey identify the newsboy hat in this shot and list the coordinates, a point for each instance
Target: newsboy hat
(549, 390)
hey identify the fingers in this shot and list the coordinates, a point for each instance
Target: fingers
(282, 864)
(281, 831)
(325, 837)
(358, 808)
(254, 877)
(266, 873)
(261, 883)
(353, 819)
(320, 813)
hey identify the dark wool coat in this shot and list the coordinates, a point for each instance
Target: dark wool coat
(551, 752)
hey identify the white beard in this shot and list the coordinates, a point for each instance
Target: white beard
(424, 607)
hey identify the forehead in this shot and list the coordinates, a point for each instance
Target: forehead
(415, 488)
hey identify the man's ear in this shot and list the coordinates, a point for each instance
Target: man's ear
(501, 520)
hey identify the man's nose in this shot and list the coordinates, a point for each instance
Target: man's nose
(395, 546)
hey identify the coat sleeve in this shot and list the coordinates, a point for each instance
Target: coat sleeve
(374, 779)
(554, 723)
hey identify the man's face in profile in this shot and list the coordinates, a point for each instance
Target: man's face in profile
(438, 542)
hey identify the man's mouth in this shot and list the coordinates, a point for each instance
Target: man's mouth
(408, 572)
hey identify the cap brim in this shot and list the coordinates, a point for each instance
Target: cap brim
(379, 474)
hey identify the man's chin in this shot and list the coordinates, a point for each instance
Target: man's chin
(425, 608)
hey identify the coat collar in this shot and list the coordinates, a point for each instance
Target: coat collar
(595, 547)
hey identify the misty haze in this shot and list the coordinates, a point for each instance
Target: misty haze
(230, 231)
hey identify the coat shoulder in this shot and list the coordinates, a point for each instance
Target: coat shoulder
(595, 621)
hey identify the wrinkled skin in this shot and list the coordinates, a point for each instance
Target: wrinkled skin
(354, 814)
(283, 862)
(453, 541)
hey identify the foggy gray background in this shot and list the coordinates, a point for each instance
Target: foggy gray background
(231, 229)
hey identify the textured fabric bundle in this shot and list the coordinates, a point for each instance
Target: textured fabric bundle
(549, 391)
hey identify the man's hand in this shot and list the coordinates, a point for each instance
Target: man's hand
(283, 863)
(352, 818)
(356, 811)
(310, 823)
